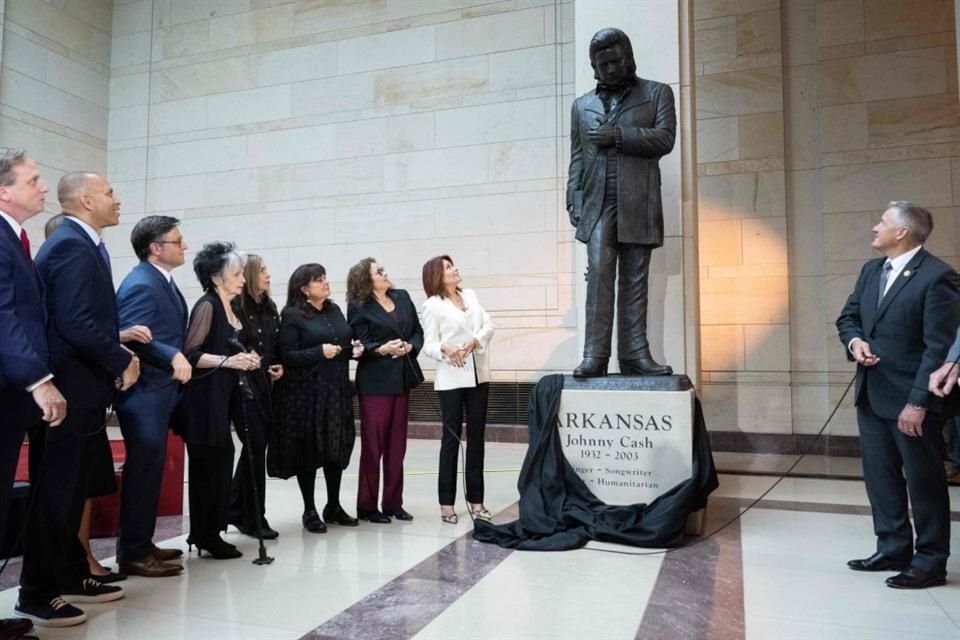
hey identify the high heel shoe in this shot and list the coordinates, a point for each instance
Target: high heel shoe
(217, 548)
(481, 513)
(449, 518)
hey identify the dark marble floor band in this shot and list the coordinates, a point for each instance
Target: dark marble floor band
(699, 590)
(816, 507)
(409, 602)
(167, 527)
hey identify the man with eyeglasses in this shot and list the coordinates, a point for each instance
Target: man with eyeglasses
(149, 296)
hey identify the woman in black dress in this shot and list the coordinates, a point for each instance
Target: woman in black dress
(261, 326)
(211, 399)
(314, 413)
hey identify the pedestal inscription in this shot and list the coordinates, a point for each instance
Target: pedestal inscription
(628, 444)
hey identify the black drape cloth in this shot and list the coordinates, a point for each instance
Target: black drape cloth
(558, 511)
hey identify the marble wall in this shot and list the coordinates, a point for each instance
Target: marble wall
(329, 131)
(55, 86)
(812, 115)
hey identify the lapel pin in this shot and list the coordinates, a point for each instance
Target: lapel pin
(906, 274)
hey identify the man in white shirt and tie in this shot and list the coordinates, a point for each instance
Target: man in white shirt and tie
(897, 325)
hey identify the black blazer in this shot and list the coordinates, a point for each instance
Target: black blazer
(373, 326)
(84, 330)
(910, 331)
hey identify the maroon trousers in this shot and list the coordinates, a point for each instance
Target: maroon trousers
(383, 435)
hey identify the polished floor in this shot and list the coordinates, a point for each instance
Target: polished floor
(776, 572)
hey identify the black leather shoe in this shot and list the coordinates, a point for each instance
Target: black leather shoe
(108, 578)
(269, 533)
(216, 548)
(913, 578)
(312, 522)
(878, 562)
(591, 368)
(375, 517)
(266, 532)
(14, 627)
(644, 366)
(337, 515)
(400, 514)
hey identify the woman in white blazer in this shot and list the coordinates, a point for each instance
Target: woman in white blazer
(457, 333)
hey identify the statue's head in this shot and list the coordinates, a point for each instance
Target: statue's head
(611, 56)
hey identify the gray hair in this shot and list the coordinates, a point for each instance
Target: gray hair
(10, 157)
(915, 218)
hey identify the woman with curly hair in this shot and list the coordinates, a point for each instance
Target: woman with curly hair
(385, 321)
(314, 427)
(211, 401)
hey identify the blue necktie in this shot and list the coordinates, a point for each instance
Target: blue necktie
(176, 296)
(105, 256)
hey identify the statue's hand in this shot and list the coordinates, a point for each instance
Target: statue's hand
(574, 218)
(602, 136)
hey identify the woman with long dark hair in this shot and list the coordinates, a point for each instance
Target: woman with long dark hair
(314, 402)
(261, 327)
(385, 321)
(457, 333)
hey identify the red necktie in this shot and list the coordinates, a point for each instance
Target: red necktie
(25, 242)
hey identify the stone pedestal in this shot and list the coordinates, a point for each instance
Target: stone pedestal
(629, 438)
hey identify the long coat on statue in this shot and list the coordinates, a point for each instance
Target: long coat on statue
(647, 124)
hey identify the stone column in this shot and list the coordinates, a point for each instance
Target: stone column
(661, 33)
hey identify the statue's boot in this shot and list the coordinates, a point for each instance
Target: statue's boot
(591, 368)
(644, 365)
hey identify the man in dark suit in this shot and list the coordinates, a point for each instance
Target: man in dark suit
(90, 362)
(897, 325)
(943, 384)
(149, 297)
(28, 393)
(618, 133)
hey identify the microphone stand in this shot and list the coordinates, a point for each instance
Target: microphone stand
(248, 395)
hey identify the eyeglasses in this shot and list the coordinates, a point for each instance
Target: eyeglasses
(179, 242)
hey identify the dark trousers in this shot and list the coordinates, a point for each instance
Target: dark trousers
(210, 469)
(21, 414)
(888, 457)
(452, 405)
(144, 420)
(53, 558)
(952, 431)
(603, 253)
(383, 435)
(244, 510)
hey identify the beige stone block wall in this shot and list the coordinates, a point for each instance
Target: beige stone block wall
(744, 286)
(55, 87)
(329, 131)
(869, 113)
